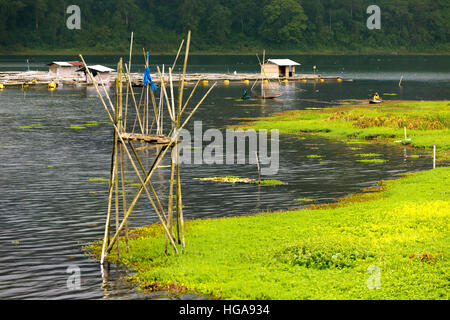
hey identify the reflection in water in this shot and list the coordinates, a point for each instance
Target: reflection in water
(49, 208)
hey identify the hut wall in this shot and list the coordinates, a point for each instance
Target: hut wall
(270, 70)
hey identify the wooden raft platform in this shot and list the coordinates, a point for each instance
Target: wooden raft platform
(36, 78)
(146, 138)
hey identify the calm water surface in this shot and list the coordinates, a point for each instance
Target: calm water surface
(49, 208)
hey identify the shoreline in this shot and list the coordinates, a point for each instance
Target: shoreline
(317, 252)
(249, 52)
(215, 276)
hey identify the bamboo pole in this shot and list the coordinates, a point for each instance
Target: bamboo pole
(189, 99)
(170, 204)
(171, 92)
(180, 206)
(179, 51)
(107, 235)
(138, 117)
(164, 94)
(138, 112)
(128, 68)
(181, 88)
(124, 194)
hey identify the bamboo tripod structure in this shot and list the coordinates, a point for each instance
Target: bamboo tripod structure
(123, 148)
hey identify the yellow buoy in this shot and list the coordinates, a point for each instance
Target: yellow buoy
(226, 82)
(266, 81)
(322, 80)
(246, 81)
(52, 85)
(2, 86)
(285, 81)
(304, 80)
(339, 79)
(205, 82)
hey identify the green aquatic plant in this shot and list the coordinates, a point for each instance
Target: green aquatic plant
(373, 161)
(31, 126)
(304, 200)
(234, 179)
(368, 155)
(313, 156)
(75, 127)
(98, 180)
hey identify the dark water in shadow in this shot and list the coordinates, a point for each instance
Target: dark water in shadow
(48, 206)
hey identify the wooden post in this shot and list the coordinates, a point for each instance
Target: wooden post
(434, 156)
(259, 168)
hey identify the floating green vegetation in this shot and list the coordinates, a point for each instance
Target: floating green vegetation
(50, 167)
(355, 148)
(42, 109)
(304, 200)
(249, 105)
(15, 242)
(414, 156)
(229, 98)
(323, 258)
(93, 192)
(31, 126)
(89, 123)
(75, 127)
(322, 252)
(368, 155)
(314, 148)
(98, 180)
(389, 94)
(373, 161)
(314, 156)
(427, 123)
(234, 179)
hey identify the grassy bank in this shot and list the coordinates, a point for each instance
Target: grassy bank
(318, 253)
(427, 123)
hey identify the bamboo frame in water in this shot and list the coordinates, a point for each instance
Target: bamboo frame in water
(120, 148)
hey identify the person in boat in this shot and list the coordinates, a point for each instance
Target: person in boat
(245, 96)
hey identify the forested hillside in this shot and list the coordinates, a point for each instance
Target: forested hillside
(227, 26)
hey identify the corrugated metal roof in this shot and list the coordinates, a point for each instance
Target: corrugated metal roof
(283, 62)
(61, 64)
(100, 68)
(76, 63)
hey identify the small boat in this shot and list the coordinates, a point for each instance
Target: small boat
(268, 96)
(375, 101)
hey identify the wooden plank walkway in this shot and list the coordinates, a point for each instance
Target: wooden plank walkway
(146, 138)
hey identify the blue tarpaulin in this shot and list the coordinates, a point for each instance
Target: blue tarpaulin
(147, 77)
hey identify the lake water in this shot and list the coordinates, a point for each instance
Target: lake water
(49, 208)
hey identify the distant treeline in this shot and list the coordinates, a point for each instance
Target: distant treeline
(227, 25)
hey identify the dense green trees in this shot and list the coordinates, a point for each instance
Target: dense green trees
(232, 25)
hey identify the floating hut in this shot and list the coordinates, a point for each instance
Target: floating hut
(99, 72)
(281, 68)
(62, 68)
